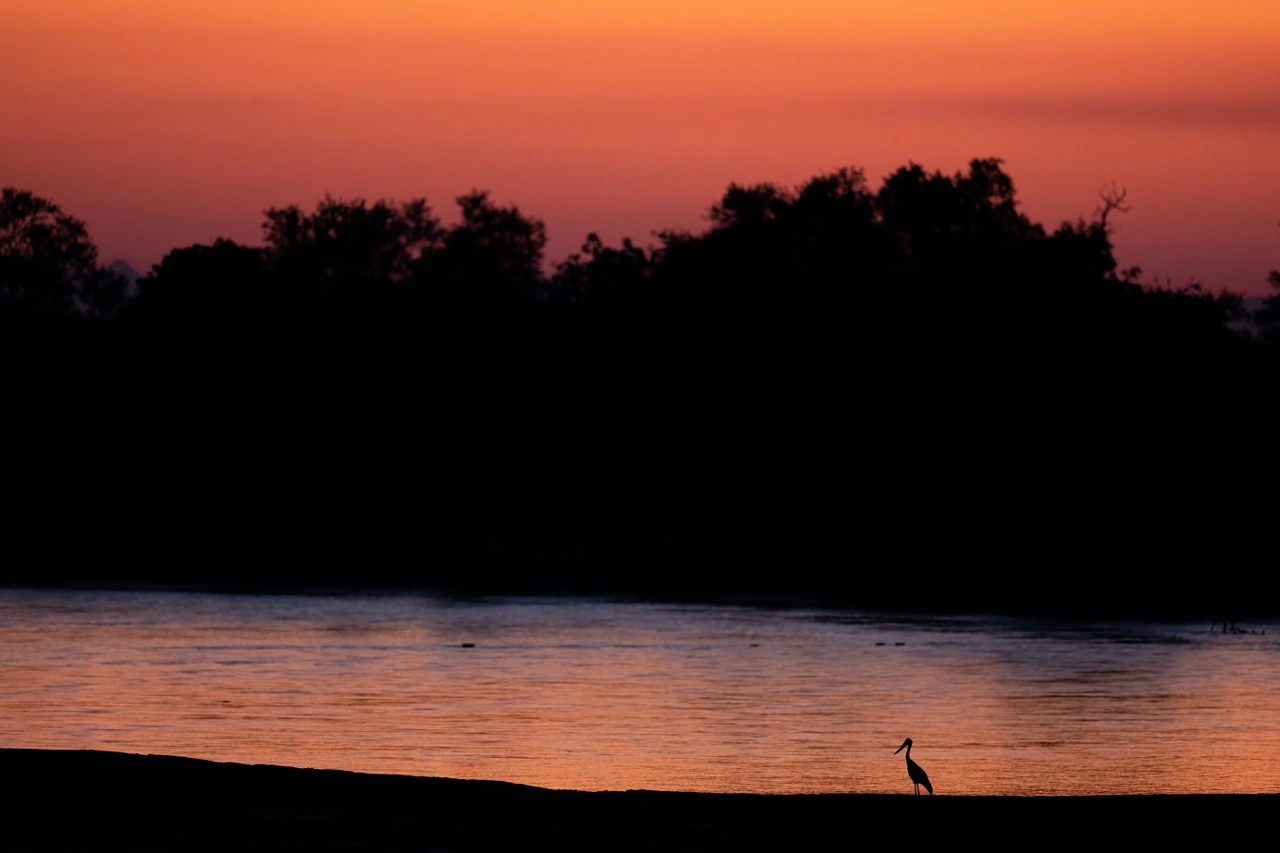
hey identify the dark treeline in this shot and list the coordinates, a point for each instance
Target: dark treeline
(907, 397)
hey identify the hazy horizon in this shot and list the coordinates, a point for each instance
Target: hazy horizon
(164, 125)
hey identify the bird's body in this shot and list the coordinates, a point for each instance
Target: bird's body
(915, 771)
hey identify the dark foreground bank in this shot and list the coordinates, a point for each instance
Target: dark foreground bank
(108, 801)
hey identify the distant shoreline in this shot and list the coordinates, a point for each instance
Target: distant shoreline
(783, 601)
(88, 800)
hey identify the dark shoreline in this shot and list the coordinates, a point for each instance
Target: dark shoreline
(1099, 610)
(83, 800)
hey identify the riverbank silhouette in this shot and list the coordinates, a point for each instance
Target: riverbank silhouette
(831, 388)
(94, 800)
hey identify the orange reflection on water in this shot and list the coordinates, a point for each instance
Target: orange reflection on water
(596, 695)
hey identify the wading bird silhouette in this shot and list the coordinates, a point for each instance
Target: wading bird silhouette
(915, 771)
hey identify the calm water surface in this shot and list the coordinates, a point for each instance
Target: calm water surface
(592, 694)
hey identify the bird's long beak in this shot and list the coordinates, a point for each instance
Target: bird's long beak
(899, 749)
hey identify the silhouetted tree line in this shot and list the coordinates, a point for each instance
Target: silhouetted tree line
(909, 396)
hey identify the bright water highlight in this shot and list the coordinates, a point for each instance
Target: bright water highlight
(596, 694)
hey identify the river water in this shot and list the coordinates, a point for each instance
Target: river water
(595, 694)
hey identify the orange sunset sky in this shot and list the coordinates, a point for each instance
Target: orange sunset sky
(169, 122)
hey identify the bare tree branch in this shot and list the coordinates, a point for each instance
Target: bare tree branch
(1109, 200)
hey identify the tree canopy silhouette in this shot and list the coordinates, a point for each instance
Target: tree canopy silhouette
(827, 387)
(48, 264)
(350, 240)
